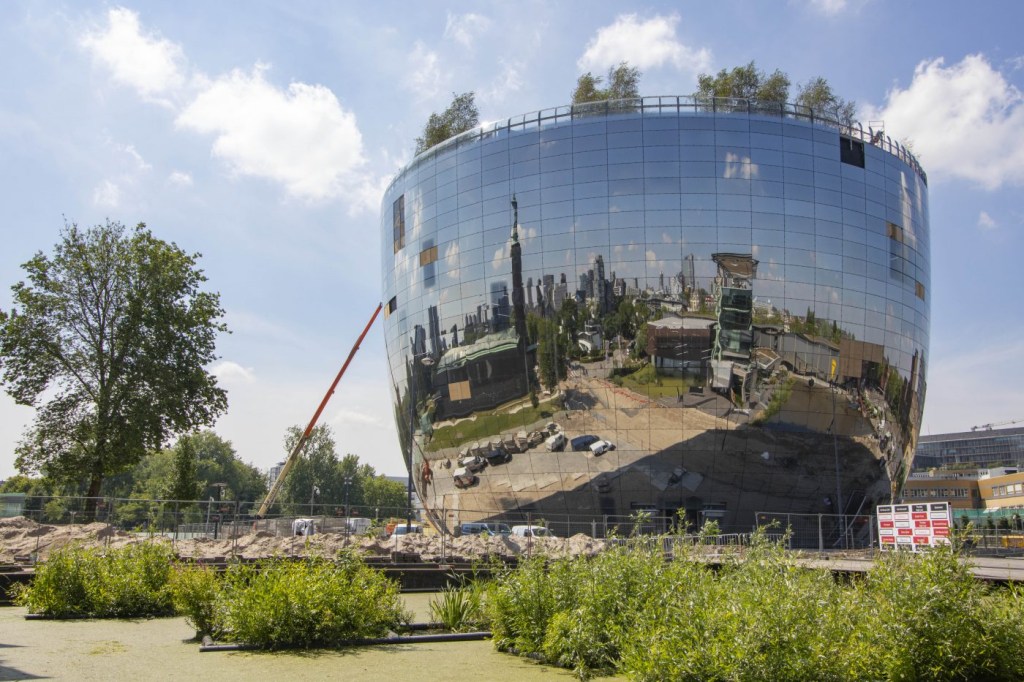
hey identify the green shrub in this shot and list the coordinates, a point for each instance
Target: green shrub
(195, 591)
(762, 616)
(460, 609)
(129, 582)
(310, 603)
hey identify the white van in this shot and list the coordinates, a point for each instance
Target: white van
(531, 532)
(556, 443)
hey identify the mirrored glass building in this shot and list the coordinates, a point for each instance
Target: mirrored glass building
(699, 309)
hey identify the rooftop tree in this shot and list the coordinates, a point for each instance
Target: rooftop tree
(109, 338)
(745, 82)
(460, 116)
(623, 83)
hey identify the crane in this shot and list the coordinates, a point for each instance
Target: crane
(304, 438)
(989, 427)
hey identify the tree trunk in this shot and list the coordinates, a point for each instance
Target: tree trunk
(92, 497)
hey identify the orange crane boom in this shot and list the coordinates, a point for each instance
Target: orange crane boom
(304, 438)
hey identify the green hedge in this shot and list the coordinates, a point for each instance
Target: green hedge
(120, 583)
(913, 617)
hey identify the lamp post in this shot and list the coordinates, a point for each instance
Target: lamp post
(426, 361)
(348, 520)
(312, 494)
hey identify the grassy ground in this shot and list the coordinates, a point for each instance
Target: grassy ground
(488, 425)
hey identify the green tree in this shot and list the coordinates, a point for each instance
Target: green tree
(460, 116)
(745, 82)
(817, 94)
(623, 83)
(185, 483)
(317, 474)
(109, 338)
(380, 492)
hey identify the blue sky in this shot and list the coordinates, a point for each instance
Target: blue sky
(262, 134)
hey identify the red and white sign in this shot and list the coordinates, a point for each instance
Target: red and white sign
(915, 526)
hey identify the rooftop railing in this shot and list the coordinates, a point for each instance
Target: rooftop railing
(662, 105)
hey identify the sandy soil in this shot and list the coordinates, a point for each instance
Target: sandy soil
(21, 537)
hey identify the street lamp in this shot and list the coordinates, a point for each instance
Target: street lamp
(348, 520)
(425, 360)
(312, 494)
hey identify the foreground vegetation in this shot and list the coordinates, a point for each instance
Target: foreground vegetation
(914, 617)
(271, 604)
(759, 616)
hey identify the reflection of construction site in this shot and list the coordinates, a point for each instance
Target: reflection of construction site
(789, 415)
(696, 452)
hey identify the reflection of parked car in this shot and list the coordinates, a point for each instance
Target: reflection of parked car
(463, 478)
(498, 456)
(556, 443)
(582, 443)
(600, 447)
(473, 463)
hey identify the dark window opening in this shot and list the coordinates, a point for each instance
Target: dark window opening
(851, 151)
(398, 218)
(391, 307)
(919, 290)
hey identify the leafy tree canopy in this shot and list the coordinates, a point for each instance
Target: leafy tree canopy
(817, 94)
(109, 338)
(623, 83)
(460, 116)
(745, 82)
(329, 481)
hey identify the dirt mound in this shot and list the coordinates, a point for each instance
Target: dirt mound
(21, 537)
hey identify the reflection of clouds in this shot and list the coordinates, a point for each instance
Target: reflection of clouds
(653, 264)
(498, 262)
(451, 259)
(666, 238)
(739, 167)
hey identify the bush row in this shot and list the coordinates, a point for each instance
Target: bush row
(274, 603)
(913, 617)
(82, 582)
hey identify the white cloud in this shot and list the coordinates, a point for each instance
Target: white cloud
(966, 121)
(985, 221)
(148, 63)
(130, 151)
(180, 179)
(644, 44)
(228, 373)
(829, 7)
(107, 195)
(348, 417)
(465, 28)
(300, 137)
(424, 78)
(508, 82)
(498, 261)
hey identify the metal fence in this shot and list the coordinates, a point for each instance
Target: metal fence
(229, 519)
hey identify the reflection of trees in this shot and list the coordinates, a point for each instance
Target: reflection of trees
(811, 325)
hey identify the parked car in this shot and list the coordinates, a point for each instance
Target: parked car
(531, 532)
(600, 447)
(403, 529)
(463, 478)
(498, 456)
(583, 443)
(473, 463)
(485, 529)
(556, 443)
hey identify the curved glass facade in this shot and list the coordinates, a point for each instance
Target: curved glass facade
(737, 300)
